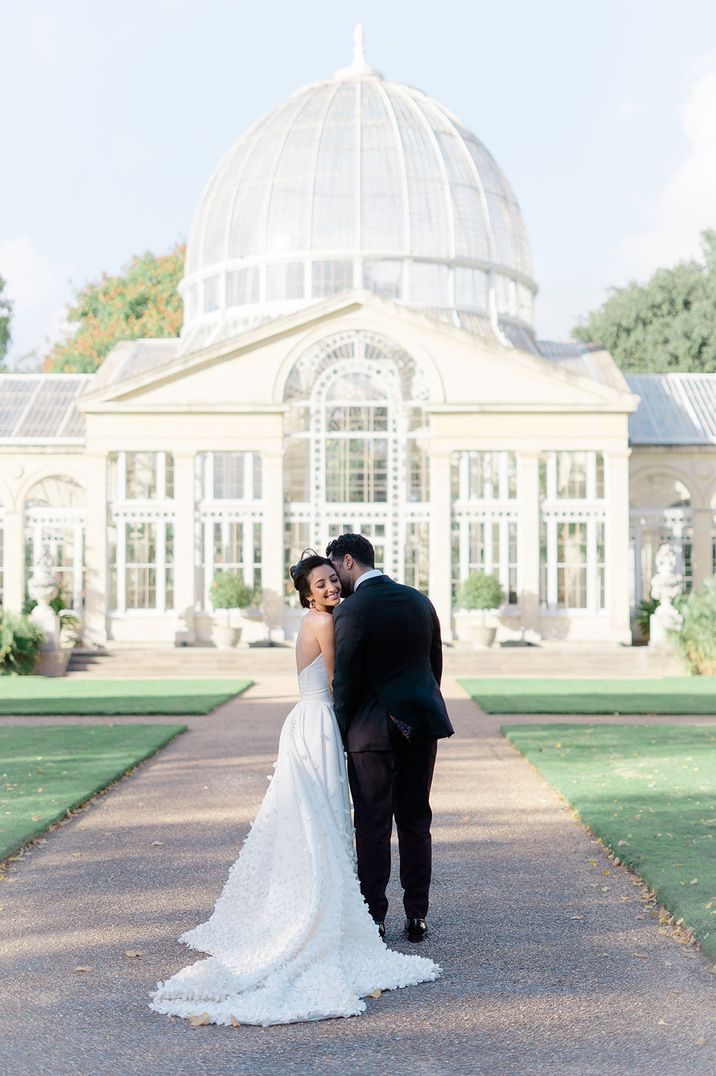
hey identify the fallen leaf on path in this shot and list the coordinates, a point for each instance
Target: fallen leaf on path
(157, 844)
(235, 1022)
(375, 993)
(700, 1042)
(82, 967)
(576, 917)
(662, 1023)
(200, 1020)
(132, 952)
(640, 956)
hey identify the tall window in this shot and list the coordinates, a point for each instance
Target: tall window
(572, 527)
(230, 489)
(141, 531)
(356, 441)
(484, 492)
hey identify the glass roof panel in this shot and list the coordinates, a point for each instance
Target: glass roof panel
(382, 208)
(15, 394)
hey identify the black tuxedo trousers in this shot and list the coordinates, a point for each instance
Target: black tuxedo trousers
(386, 785)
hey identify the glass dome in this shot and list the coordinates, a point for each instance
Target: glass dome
(357, 182)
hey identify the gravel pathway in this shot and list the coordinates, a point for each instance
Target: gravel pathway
(551, 964)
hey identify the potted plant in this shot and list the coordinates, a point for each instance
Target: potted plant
(481, 591)
(228, 591)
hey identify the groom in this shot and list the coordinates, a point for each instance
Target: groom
(391, 714)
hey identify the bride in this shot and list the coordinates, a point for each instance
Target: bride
(290, 937)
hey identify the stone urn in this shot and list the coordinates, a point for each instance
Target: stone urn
(42, 587)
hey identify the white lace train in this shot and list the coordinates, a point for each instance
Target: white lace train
(290, 936)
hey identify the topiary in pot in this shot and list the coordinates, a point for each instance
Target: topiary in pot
(481, 591)
(228, 591)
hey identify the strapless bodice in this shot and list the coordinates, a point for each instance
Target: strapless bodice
(313, 682)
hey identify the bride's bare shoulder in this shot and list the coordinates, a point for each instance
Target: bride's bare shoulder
(318, 620)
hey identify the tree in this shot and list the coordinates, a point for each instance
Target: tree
(6, 307)
(667, 324)
(140, 301)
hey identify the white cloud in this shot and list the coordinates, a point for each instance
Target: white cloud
(40, 289)
(686, 204)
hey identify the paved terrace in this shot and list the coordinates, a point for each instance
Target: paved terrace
(551, 966)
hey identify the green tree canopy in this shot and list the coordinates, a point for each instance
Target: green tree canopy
(667, 324)
(5, 319)
(140, 301)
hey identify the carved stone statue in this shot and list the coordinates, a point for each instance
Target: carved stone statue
(665, 586)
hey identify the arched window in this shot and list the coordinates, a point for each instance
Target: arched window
(660, 512)
(54, 527)
(356, 452)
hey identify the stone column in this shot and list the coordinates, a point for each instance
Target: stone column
(440, 567)
(617, 545)
(272, 570)
(184, 546)
(14, 573)
(701, 545)
(95, 631)
(528, 566)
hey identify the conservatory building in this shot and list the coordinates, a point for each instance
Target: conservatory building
(358, 353)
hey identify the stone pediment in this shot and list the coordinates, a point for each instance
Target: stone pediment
(464, 370)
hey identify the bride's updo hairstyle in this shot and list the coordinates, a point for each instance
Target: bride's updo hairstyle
(300, 574)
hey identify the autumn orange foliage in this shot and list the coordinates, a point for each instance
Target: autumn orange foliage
(142, 301)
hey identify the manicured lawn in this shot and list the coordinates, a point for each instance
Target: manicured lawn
(47, 770)
(47, 696)
(648, 792)
(668, 695)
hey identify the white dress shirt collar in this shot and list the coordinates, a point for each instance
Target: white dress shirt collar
(372, 574)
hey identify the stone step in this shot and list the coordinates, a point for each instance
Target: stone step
(460, 660)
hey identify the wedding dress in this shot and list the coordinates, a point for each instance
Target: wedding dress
(290, 936)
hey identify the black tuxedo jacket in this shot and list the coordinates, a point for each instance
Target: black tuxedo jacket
(388, 662)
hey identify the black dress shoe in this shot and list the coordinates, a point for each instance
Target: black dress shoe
(416, 929)
(380, 923)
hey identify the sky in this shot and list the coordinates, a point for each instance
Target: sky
(602, 116)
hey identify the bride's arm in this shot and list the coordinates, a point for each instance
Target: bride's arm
(325, 635)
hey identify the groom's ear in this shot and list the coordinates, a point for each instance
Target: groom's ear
(348, 562)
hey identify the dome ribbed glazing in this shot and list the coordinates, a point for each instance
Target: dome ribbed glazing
(356, 182)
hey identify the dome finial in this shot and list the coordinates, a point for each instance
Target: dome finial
(359, 65)
(359, 45)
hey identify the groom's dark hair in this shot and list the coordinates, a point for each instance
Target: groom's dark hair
(355, 545)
